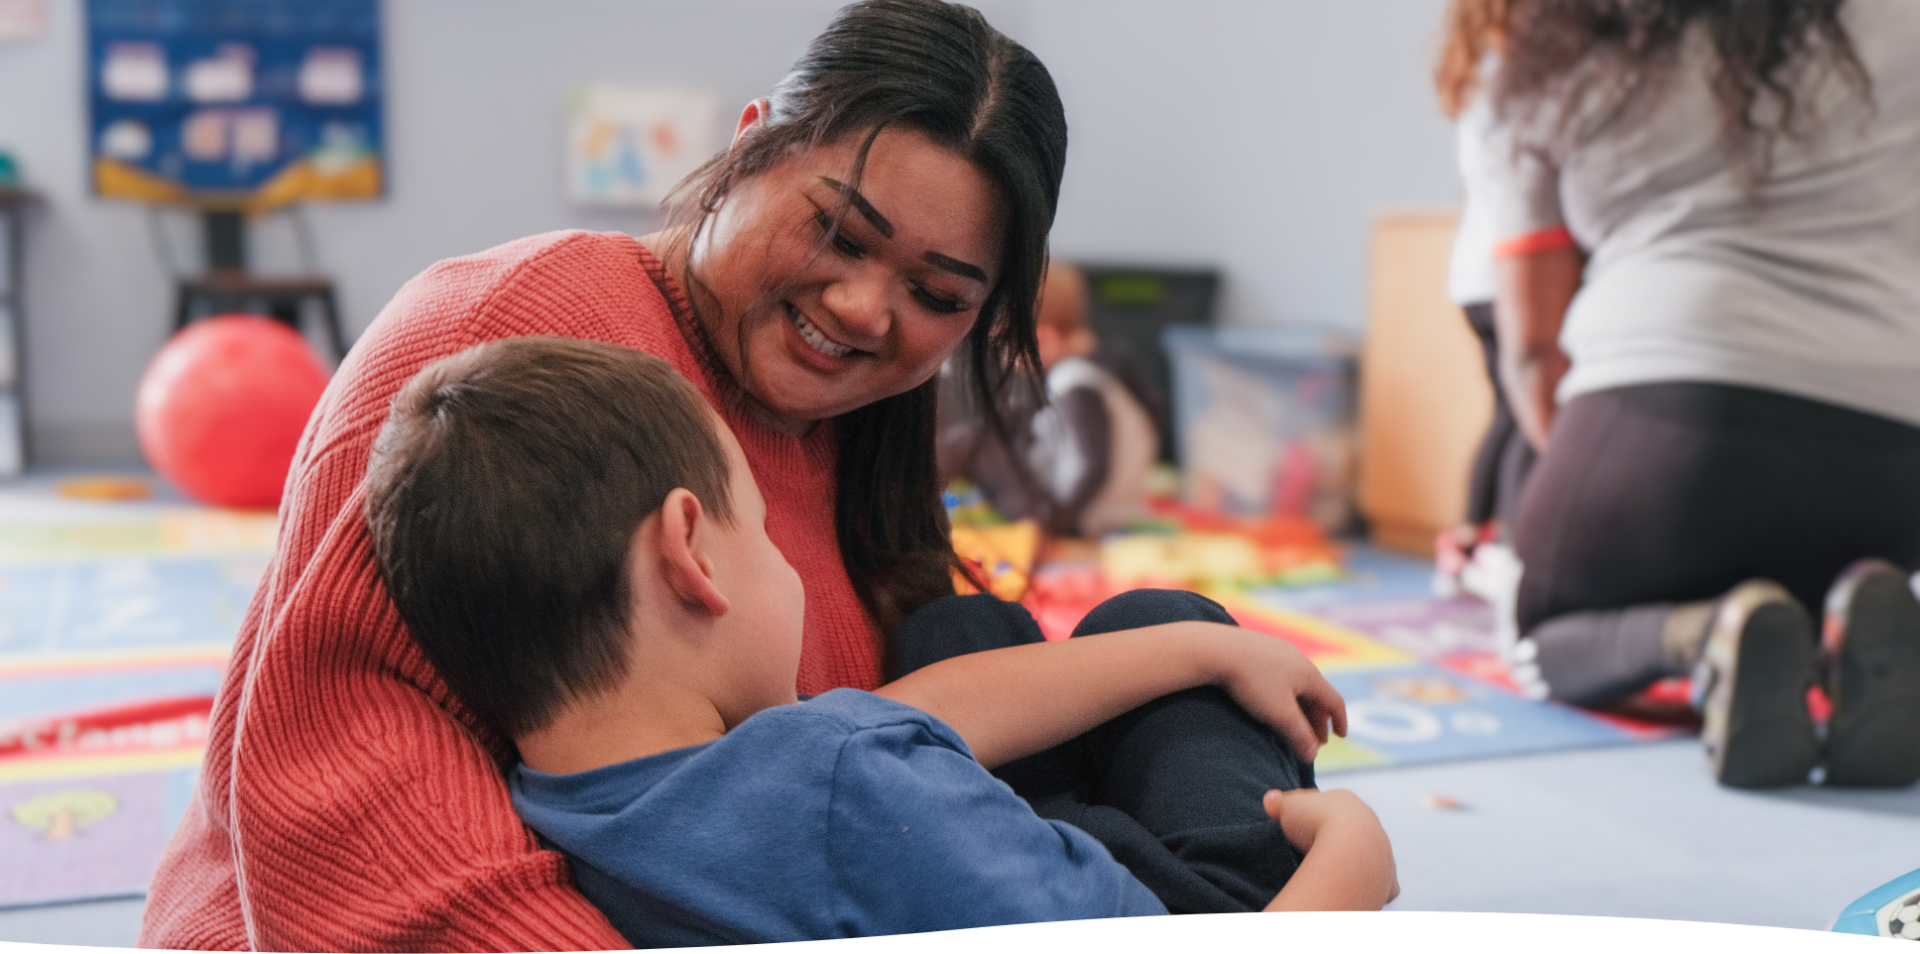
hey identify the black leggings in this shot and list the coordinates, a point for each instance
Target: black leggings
(1501, 464)
(1173, 789)
(1663, 494)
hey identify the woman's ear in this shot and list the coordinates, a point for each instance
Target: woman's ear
(685, 532)
(753, 117)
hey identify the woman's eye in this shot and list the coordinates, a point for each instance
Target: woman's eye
(841, 243)
(933, 302)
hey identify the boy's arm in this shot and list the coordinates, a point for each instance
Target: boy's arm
(1349, 864)
(1013, 702)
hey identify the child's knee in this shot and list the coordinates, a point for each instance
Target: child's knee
(1136, 608)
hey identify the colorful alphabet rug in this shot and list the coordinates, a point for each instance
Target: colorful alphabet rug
(115, 625)
(116, 621)
(1421, 676)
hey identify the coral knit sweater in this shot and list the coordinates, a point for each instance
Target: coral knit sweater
(348, 800)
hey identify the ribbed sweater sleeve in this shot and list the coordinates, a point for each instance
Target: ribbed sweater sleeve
(348, 801)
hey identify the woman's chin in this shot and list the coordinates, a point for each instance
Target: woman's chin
(795, 400)
(799, 391)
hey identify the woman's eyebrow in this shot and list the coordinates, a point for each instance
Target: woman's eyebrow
(858, 201)
(872, 215)
(957, 267)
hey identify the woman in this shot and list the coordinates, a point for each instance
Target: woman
(1710, 323)
(888, 200)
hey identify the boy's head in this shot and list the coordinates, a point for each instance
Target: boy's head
(507, 497)
(1061, 328)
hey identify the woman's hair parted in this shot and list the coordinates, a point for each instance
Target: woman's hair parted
(1767, 49)
(938, 69)
(503, 494)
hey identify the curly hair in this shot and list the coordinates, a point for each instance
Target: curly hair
(1475, 29)
(1768, 50)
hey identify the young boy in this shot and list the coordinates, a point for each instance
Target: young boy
(575, 540)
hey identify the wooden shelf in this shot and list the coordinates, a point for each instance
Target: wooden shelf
(1424, 395)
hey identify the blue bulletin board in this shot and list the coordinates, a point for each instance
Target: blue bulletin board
(255, 102)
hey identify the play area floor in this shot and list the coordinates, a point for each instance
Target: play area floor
(1421, 677)
(115, 618)
(115, 623)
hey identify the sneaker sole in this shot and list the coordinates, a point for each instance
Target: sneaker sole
(1770, 740)
(1873, 738)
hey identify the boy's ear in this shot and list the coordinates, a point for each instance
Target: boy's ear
(684, 560)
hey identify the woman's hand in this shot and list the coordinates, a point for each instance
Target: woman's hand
(1279, 685)
(1349, 864)
(1535, 290)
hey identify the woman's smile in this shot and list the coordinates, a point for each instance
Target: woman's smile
(817, 341)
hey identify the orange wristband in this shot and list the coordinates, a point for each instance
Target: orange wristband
(1533, 243)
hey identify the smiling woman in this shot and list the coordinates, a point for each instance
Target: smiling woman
(886, 207)
(865, 303)
(889, 200)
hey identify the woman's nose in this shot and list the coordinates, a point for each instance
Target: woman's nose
(859, 303)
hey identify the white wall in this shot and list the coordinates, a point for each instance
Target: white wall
(1254, 136)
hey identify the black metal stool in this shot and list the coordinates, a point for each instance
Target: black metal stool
(283, 298)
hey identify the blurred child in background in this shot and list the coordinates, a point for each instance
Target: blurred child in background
(1075, 460)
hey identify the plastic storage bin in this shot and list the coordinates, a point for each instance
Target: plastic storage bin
(1264, 421)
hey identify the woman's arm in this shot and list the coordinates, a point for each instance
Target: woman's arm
(1013, 702)
(1535, 288)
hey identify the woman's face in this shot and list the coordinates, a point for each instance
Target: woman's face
(830, 299)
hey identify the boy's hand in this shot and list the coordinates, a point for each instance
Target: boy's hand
(1349, 864)
(1280, 686)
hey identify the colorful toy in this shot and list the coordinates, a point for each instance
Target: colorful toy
(221, 408)
(1002, 554)
(1891, 910)
(967, 506)
(1189, 548)
(104, 487)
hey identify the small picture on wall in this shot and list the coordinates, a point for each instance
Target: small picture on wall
(22, 20)
(628, 146)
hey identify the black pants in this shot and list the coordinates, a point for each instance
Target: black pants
(1172, 789)
(1501, 464)
(1662, 494)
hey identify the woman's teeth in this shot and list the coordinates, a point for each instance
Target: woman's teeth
(813, 337)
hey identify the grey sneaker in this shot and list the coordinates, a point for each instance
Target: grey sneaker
(1871, 642)
(1751, 688)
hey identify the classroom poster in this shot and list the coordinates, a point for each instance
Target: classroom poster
(264, 102)
(22, 20)
(628, 146)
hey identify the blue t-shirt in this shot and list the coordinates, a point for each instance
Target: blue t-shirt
(844, 816)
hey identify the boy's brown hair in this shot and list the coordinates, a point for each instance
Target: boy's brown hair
(503, 494)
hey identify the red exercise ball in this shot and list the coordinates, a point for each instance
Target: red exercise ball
(221, 408)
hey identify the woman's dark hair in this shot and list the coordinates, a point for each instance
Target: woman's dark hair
(1767, 49)
(937, 69)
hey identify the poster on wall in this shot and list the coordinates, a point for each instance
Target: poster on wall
(262, 102)
(628, 146)
(22, 20)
